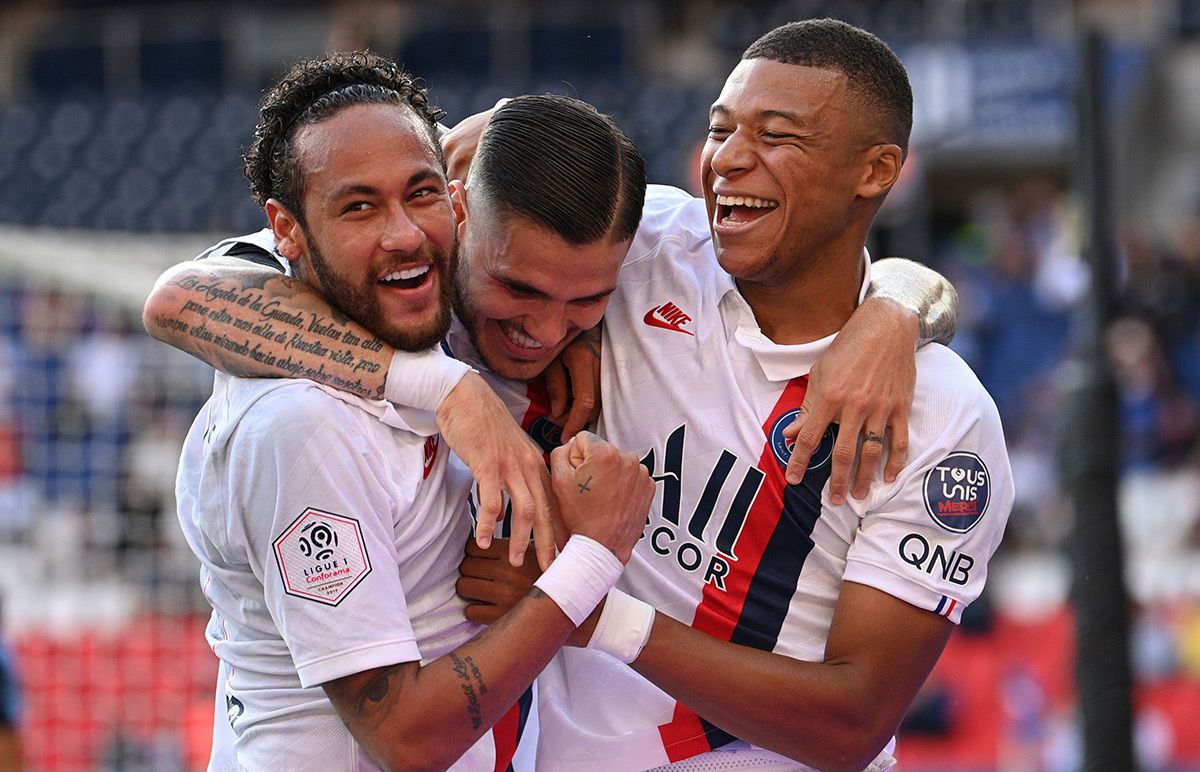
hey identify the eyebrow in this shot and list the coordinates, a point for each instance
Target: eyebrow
(531, 290)
(371, 190)
(783, 114)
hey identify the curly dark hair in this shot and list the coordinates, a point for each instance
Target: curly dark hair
(311, 91)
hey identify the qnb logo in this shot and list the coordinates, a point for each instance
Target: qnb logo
(317, 541)
(957, 491)
(954, 567)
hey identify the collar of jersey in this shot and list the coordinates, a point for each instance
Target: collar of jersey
(778, 362)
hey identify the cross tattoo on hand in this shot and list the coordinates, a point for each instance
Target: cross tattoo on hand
(583, 486)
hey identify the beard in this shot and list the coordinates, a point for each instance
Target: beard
(361, 304)
(464, 309)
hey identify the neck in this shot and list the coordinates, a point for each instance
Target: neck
(813, 303)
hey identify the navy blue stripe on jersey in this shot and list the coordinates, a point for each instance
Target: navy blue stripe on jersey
(524, 705)
(708, 499)
(717, 737)
(252, 253)
(774, 582)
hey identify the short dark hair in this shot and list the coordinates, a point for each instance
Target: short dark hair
(874, 71)
(311, 91)
(565, 166)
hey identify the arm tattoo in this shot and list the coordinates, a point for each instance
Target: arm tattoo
(472, 686)
(376, 692)
(591, 338)
(259, 326)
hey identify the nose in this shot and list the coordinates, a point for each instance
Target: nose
(731, 155)
(401, 233)
(549, 323)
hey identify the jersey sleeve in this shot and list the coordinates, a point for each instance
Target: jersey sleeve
(257, 248)
(321, 535)
(929, 537)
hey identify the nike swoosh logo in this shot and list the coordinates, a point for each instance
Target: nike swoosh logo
(654, 321)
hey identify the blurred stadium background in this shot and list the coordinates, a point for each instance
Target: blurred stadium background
(120, 130)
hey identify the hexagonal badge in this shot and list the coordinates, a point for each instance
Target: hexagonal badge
(322, 556)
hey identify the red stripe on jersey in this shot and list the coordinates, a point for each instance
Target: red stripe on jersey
(539, 402)
(719, 611)
(684, 736)
(504, 735)
(539, 407)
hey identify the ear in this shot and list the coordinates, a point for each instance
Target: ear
(458, 201)
(289, 237)
(881, 170)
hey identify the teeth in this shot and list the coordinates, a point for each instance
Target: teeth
(754, 203)
(518, 337)
(407, 273)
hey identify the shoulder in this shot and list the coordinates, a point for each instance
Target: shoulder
(671, 220)
(953, 416)
(282, 412)
(257, 248)
(946, 383)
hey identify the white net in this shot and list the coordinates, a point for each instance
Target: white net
(102, 611)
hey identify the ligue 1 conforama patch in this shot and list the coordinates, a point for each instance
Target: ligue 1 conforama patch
(957, 491)
(322, 556)
(782, 447)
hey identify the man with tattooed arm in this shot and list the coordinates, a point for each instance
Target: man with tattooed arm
(525, 288)
(329, 526)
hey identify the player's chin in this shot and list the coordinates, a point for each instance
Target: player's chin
(517, 369)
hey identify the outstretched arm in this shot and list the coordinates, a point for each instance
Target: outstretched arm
(865, 382)
(834, 714)
(251, 321)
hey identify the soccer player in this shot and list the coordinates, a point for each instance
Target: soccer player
(778, 623)
(512, 290)
(330, 527)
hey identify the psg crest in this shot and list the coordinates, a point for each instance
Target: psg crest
(546, 433)
(782, 447)
(957, 491)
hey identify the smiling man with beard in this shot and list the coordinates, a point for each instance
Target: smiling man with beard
(329, 527)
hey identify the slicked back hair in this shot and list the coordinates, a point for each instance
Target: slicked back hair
(563, 165)
(875, 73)
(311, 91)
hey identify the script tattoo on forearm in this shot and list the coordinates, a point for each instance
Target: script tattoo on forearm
(254, 331)
(473, 686)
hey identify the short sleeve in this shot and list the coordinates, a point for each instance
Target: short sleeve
(930, 537)
(320, 528)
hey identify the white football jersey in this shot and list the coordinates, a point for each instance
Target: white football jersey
(329, 533)
(692, 385)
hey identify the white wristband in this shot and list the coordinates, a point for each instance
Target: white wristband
(422, 379)
(624, 627)
(580, 577)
